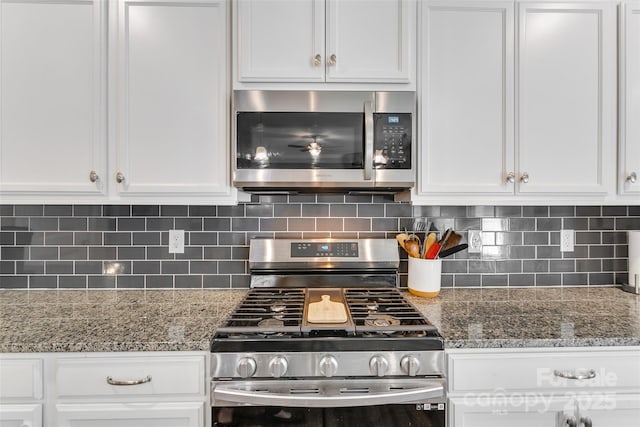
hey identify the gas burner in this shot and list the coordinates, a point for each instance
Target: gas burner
(381, 321)
(272, 322)
(278, 307)
(372, 306)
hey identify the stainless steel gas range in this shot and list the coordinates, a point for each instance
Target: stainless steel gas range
(325, 338)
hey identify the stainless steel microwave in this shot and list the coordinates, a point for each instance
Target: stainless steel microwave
(323, 141)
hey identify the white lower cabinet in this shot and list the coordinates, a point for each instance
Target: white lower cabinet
(21, 391)
(159, 389)
(544, 387)
(21, 415)
(184, 414)
(123, 389)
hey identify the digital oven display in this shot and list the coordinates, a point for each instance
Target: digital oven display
(324, 249)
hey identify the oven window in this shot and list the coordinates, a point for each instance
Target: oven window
(365, 416)
(300, 140)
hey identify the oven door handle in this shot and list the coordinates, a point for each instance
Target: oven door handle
(315, 400)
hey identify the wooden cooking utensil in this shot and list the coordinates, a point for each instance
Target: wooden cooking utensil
(430, 240)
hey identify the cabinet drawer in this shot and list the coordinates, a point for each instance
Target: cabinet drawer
(20, 378)
(126, 376)
(535, 369)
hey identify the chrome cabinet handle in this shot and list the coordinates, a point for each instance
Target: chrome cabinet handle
(632, 178)
(146, 379)
(119, 177)
(591, 373)
(586, 421)
(524, 178)
(317, 60)
(332, 59)
(511, 178)
(93, 176)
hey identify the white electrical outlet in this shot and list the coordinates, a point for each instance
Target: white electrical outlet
(474, 240)
(176, 241)
(567, 240)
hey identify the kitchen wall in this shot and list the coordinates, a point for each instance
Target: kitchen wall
(109, 246)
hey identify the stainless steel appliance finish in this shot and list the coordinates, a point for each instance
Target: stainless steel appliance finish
(386, 355)
(302, 141)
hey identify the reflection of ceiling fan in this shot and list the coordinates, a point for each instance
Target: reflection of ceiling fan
(314, 147)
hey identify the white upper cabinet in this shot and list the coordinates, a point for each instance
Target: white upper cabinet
(369, 42)
(318, 41)
(566, 108)
(629, 162)
(467, 97)
(280, 40)
(52, 92)
(158, 134)
(171, 103)
(518, 102)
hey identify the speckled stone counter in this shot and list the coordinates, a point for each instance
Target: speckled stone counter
(184, 320)
(534, 317)
(113, 320)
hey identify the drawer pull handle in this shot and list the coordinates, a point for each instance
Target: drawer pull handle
(591, 373)
(146, 379)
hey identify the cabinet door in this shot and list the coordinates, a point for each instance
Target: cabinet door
(20, 378)
(52, 103)
(172, 100)
(185, 414)
(370, 41)
(467, 97)
(629, 166)
(503, 410)
(21, 415)
(566, 94)
(610, 409)
(280, 40)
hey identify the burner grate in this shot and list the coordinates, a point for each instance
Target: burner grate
(384, 311)
(269, 312)
(266, 312)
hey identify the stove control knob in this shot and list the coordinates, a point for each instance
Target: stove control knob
(378, 365)
(278, 366)
(410, 365)
(328, 366)
(246, 367)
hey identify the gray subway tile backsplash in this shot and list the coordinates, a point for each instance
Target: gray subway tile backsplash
(122, 246)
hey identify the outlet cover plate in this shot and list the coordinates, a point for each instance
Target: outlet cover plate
(567, 240)
(176, 241)
(474, 240)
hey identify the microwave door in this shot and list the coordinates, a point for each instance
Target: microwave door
(308, 140)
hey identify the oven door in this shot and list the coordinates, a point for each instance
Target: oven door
(331, 402)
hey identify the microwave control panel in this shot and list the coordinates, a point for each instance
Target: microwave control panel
(392, 141)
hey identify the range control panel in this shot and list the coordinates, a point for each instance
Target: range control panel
(324, 249)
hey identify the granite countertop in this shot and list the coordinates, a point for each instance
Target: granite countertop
(184, 320)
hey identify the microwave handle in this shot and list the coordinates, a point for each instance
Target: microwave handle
(368, 140)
